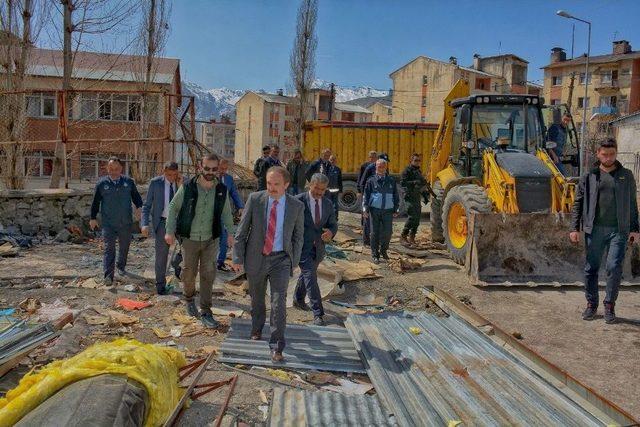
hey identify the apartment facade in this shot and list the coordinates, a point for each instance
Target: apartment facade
(613, 90)
(380, 107)
(218, 136)
(419, 87)
(103, 113)
(265, 118)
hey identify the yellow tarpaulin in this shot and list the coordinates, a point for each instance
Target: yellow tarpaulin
(153, 366)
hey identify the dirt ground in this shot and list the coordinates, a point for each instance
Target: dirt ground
(602, 356)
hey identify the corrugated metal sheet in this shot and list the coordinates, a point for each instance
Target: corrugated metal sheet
(451, 371)
(325, 409)
(308, 347)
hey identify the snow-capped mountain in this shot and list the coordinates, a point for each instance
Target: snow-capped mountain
(212, 103)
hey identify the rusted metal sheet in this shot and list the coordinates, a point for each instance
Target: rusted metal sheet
(430, 370)
(325, 409)
(308, 347)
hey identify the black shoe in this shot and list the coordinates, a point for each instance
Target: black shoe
(192, 309)
(208, 320)
(162, 290)
(609, 313)
(318, 321)
(376, 260)
(301, 305)
(108, 282)
(589, 312)
(120, 273)
(223, 267)
(385, 256)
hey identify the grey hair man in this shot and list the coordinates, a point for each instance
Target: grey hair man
(320, 226)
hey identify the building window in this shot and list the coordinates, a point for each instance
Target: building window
(623, 104)
(608, 101)
(625, 72)
(117, 107)
(581, 103)
(424, 80)
(581, 78)
(39, 163)
(555, 102)
(556, 80)
(348, 116)
(93, 165)
(288, 110)
(288, 126)
(423, 119)
(609, 77)
(42, 105)
(483, 84)
(424, 101)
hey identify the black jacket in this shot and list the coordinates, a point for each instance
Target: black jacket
(412, 182)
(584, 207)
(188, 209)
(318, 166)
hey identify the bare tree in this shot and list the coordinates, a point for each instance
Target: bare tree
(15, 18)
(303, 61)
(152, 39)
(83, 18)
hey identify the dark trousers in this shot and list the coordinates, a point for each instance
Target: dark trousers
(162, 253)
(308, 283)
(222, 252)
(596, 243)
(381, 222)
(414, 210)
(334, 199)
(276, 270)
(110, 235)
(366, 232)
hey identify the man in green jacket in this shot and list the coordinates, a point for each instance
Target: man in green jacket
(197, 214)
(412, 183)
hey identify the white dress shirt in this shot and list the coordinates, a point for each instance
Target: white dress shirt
(313, 208)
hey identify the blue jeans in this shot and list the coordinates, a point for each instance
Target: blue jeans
(110, 235)
(222, 252)
(308, 283)
(596, 244)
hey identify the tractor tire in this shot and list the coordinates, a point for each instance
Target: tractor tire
(459, 203)
(436, 213)
(348, 200)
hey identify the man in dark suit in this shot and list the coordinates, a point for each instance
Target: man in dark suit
(319, 226)
(335, 183)
(268, 245)
(321, 165)
(260, 169)
(161, 190)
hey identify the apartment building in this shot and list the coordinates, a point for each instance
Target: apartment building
(103, 113)
(266, 118)
(218, 136)
(613, 90)
(380, 107)
(420, 86)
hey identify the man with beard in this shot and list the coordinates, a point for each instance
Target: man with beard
(607, 209)
(197, 214)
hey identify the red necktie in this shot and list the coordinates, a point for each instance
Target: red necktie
(271, 229)
(317, 219)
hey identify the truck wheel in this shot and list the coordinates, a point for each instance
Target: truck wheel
(349, 201)
(436, 213)
(459, 203)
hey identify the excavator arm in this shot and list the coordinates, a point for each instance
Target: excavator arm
(563, 192)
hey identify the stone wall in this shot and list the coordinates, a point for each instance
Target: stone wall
(46, 211)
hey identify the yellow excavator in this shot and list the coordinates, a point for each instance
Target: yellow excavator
(501, 205)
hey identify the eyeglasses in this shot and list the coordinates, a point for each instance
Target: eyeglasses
(208, 169)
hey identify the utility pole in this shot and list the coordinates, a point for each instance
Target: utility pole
(571, 84)
(333, 97)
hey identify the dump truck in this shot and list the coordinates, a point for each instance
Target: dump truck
(352, 142)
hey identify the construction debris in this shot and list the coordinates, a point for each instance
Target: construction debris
(403, 264)
(130, 305)
(308, 347)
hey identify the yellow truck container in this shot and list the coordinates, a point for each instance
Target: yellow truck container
(351, 143)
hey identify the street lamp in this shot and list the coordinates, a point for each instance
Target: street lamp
(583, 130)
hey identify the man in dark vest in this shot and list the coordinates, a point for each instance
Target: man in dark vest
(197, 214)
(260, 168)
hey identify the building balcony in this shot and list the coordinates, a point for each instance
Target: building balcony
(610, 85)
(604, 109)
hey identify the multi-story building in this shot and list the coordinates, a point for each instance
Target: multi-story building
(218, 136)
(420, 86)
(380, 107)
(265, 118)
(613, 90)
(103, 114)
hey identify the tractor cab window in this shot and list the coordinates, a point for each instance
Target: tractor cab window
(503, 126)
(459, 131)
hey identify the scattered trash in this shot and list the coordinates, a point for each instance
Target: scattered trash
(394, 301)
(113, 317)
(129, 288)
(349, 388)
(265, 411)
(517, 335)
(319, 378)
(415, 331)
(176, 332)
(8, 250)
(129, 304)
(7, 311)
(454, 423)
(369, 300)
(263, 397)
(30, 305)
(465, 299)
(161, 333)
(179, 316)
(168, 299)
(403, 264)
(280, 374)
(53, 311)
(227, 310)
(89, 283)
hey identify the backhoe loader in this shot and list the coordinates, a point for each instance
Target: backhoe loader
(502, 206)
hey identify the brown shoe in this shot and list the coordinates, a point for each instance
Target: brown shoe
(412, 239)
(404, 241)
(256, 336)
(277, 356)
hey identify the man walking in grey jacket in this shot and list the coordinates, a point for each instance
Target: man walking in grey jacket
(268, 245)
(606, 207)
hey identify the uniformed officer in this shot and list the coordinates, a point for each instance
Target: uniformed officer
(412, 183)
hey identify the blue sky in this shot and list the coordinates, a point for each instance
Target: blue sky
(245, 44)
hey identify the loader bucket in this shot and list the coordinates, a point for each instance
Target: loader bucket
(532, 249)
